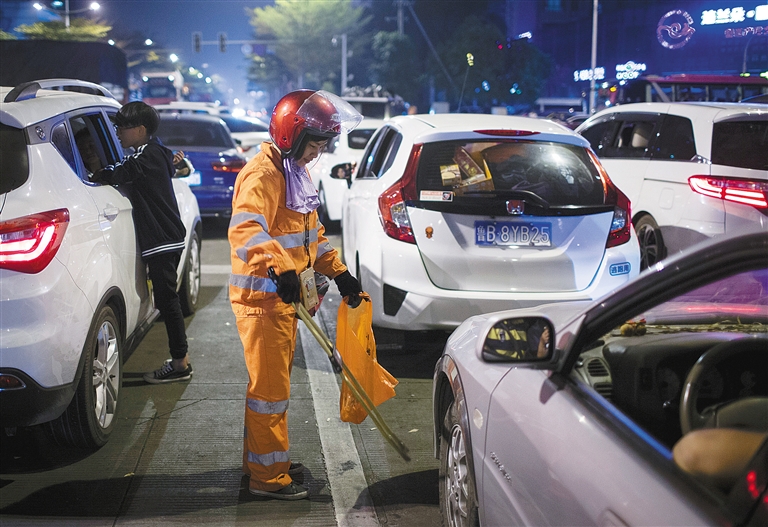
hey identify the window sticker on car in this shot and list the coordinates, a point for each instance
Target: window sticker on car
(436, 195)
(193, 179)
(494, 233)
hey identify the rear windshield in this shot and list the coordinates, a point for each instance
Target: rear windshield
(742, 144)
(194, 133)
(559, 174)
(14, 161)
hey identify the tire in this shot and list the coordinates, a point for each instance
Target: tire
(652, 249)
(458, 499)
(189, 292)
(90, 417)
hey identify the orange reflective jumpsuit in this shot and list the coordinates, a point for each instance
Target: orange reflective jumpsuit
(263, 233)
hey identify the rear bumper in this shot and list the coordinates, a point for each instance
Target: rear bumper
(33, 404)
(424, 306)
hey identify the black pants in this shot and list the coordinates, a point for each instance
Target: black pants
(162, 272)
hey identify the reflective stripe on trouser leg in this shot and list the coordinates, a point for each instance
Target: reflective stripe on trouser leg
(268, 342)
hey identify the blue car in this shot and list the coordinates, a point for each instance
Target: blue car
(208, 144)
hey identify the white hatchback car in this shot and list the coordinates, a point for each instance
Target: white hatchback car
(346, 148)
(691, 170)
(74, 297)
(451, 215)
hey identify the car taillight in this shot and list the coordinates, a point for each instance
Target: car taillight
(29, 244)
(507, 133)
(228, 165)
(744, 191)
(621, 224)
(392, 202)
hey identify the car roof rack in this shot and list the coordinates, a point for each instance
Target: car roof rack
(28, 90)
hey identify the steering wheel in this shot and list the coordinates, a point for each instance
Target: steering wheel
(747, 412)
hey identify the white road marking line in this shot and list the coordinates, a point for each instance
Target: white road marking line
(351, 501)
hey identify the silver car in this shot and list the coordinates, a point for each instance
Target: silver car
(581, 414)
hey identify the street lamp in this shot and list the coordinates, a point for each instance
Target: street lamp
(94, 6)
(470, 63)
(343, 60)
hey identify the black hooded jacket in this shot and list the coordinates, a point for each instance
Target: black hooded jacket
(145, 177)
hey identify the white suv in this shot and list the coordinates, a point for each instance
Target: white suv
(453, 215)
(74, 297)
(691, 170)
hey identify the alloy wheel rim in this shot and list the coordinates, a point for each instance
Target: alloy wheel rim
(456, 480)
(649, 246)
(194, 274)
(106, 374)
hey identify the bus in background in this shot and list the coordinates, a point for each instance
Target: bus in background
(161, 87)
(686, 87)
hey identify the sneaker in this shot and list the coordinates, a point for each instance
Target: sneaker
(168, 374)
(290, 492)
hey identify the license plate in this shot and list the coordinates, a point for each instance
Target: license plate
(193, 179)
(532, 234)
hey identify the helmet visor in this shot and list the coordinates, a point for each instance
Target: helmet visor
(328, 113)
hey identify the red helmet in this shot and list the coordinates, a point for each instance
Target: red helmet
(304, 112)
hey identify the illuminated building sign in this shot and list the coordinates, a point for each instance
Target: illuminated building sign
(586, 75)
(629, 70)
(675, 29)
(746, 31)
(734, 15)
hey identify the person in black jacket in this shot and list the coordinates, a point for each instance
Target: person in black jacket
(145, 177)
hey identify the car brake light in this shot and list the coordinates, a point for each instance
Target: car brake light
(392, 202)
(28, 244)
(744, 191)
(230, 165)
(621, 224)
(507, 133)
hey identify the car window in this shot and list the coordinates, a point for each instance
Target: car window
(181, 133)
(380, 156)
(60, 139)
(600, 136)
(675, 140)
(14, 159)
(95, 146)
(742, 144)
(560, 174)
(632, 139)
(357, 139)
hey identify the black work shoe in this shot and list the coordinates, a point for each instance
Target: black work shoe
(289, 492)
(168, 374)
(296, 468)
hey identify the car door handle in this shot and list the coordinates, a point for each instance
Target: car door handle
(111, 212)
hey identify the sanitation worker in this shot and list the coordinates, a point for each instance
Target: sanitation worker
(275, 233)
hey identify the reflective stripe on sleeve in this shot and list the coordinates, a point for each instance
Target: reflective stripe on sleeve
(267, 407)
(261, 237)
(254, 283)
(323, 248)
(242, 217)
(270, 458)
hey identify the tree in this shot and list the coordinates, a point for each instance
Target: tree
(80, 30)
(393, 66)
(6, 36)
(302, 32)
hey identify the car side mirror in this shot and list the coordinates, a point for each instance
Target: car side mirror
(343, 171)
(520, 339)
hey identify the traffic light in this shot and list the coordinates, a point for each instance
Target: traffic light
(222, 42)
(197, 39)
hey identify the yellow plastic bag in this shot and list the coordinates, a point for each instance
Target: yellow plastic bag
(357, 347)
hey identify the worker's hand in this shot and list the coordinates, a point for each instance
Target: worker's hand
(288, 287)
(350, 288)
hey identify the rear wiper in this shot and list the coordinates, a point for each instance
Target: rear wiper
(525, 195)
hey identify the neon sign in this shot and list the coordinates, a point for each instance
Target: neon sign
(733, 15)
(586, 75)
(675, 29)
(629, 70)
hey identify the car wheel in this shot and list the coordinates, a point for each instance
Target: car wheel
(652, 248)
(458, 502)
(90, 417)
(191, 278)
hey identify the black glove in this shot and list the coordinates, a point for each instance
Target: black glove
(288, 287)
(349, 287)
